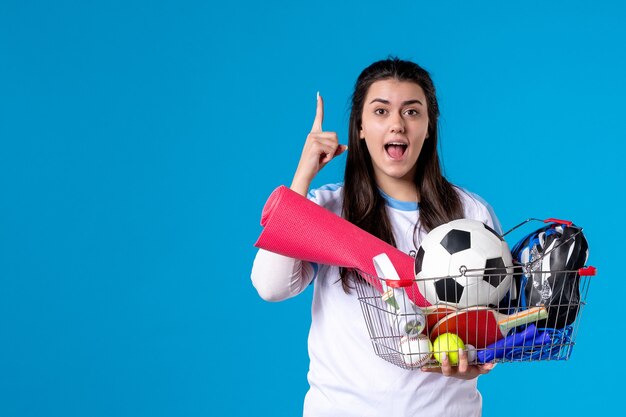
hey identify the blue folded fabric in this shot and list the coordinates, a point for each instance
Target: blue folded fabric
(526, 340)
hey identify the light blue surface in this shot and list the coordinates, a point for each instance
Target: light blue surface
(139, 141)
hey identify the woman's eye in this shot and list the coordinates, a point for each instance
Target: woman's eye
(412, 112)
(380, 111)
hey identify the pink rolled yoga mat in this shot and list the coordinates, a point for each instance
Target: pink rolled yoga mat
(298, 228)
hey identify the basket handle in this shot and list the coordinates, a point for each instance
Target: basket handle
(587, 271)
(568, 223)
(386, 271)
(400, 283)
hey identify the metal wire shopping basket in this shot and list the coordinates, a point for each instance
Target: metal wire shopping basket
(514, 330)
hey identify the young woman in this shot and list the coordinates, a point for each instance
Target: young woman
(394, 189)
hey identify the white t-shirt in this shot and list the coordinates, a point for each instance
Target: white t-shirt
(346, 378)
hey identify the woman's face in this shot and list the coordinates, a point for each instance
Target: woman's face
(394, 127)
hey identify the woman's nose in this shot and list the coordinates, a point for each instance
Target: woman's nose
(397, 124)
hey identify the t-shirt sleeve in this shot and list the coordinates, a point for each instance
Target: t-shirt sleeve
(478, 209)
(277, 277)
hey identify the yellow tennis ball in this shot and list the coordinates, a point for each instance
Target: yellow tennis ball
(449, 343)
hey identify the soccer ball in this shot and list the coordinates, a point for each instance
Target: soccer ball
(464, 263)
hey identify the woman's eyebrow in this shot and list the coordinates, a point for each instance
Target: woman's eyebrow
(404, 103)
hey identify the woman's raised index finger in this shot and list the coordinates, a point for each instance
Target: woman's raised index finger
(319, 114)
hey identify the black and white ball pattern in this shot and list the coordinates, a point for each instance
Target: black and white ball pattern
(464, 263)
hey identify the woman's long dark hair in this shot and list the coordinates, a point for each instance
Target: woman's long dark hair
(363, 204)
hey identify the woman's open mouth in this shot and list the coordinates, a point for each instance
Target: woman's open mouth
(396, 150)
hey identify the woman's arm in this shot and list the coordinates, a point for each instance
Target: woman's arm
(319, 149)
(278, 277)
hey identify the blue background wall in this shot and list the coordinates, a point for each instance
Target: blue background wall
(139, 141)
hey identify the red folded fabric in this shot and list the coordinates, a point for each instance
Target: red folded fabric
(297, 227)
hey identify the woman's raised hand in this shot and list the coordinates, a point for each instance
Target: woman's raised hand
(319, 149)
